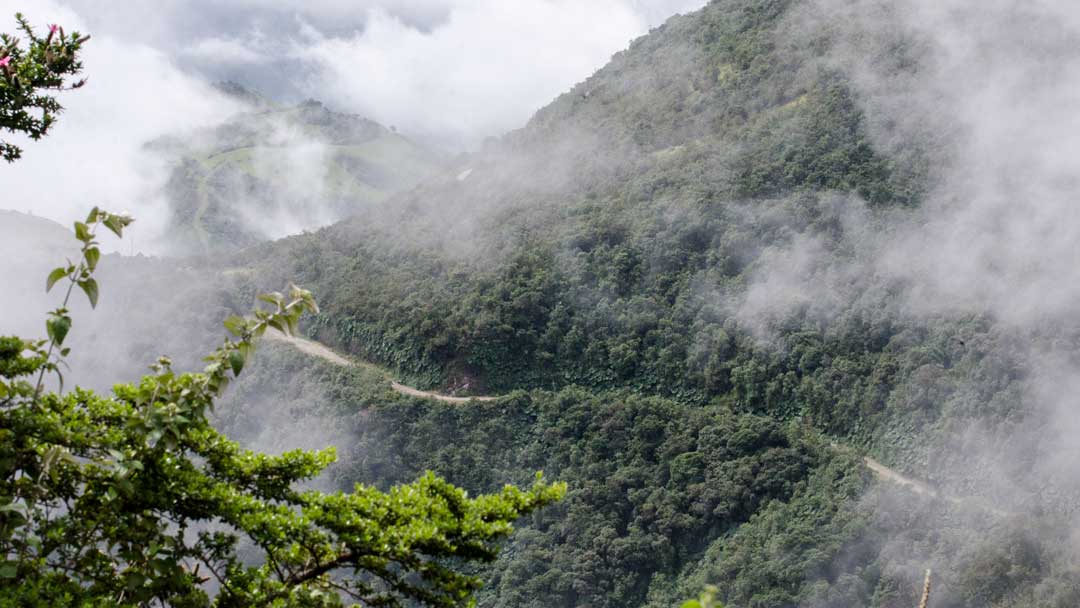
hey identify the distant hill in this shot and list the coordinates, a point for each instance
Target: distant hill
(244, 95)
(236, 184)
(30, 246)
(124, 333)
(18, 229)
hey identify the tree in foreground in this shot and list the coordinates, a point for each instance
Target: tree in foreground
(135, 499)
(31, 72)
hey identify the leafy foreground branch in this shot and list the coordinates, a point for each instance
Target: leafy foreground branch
(31, 72)
(135, 499)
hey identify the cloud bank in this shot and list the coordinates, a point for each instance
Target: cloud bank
(94, 154)
(450, 72)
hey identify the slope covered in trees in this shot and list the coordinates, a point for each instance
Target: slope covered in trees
(664, 498)
(608, 242)
(688, 229)
(671, 274)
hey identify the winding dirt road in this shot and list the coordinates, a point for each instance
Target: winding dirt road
(321, 351)
(921, 487)
(890, 474)
(881, 471)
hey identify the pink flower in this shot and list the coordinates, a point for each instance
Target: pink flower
(5, 61)
(52, 28)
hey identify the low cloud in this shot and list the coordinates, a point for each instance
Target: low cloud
(448, 71)
(453, 71)
(95, 155)
(483, 71)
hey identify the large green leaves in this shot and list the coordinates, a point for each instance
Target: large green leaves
(90, 287)
(57, 327)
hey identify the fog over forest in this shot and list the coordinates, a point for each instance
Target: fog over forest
(783, 290)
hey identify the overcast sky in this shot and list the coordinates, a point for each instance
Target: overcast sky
(447, 71)
(451, 69)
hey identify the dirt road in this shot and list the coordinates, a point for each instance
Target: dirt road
(315, 349)
(890, 474)
(881, 471)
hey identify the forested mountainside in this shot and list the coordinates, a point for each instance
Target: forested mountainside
(680, 280)
(609, 242)
(678, 259)
(665, 497)
(237, 184)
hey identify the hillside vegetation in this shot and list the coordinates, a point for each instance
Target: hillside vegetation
(667, 279)
(630, 267)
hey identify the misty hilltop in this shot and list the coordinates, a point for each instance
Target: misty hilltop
(271, 171)
(23, 229)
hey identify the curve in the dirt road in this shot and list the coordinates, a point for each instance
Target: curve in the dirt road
(890, 474)
(921, 487)
(879, 470)
(321, 351)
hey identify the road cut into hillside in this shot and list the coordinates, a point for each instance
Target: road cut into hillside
(315, 349)
(881, 471)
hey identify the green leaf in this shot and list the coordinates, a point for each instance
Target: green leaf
(15, 507)
(54, 276)
(93, 254)
(9, 570)
(82, 232)
(90, 286)
(691, 604)
(274, 298)
(235, 324)
(57, 327)
(115, 224)
(236, 361)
